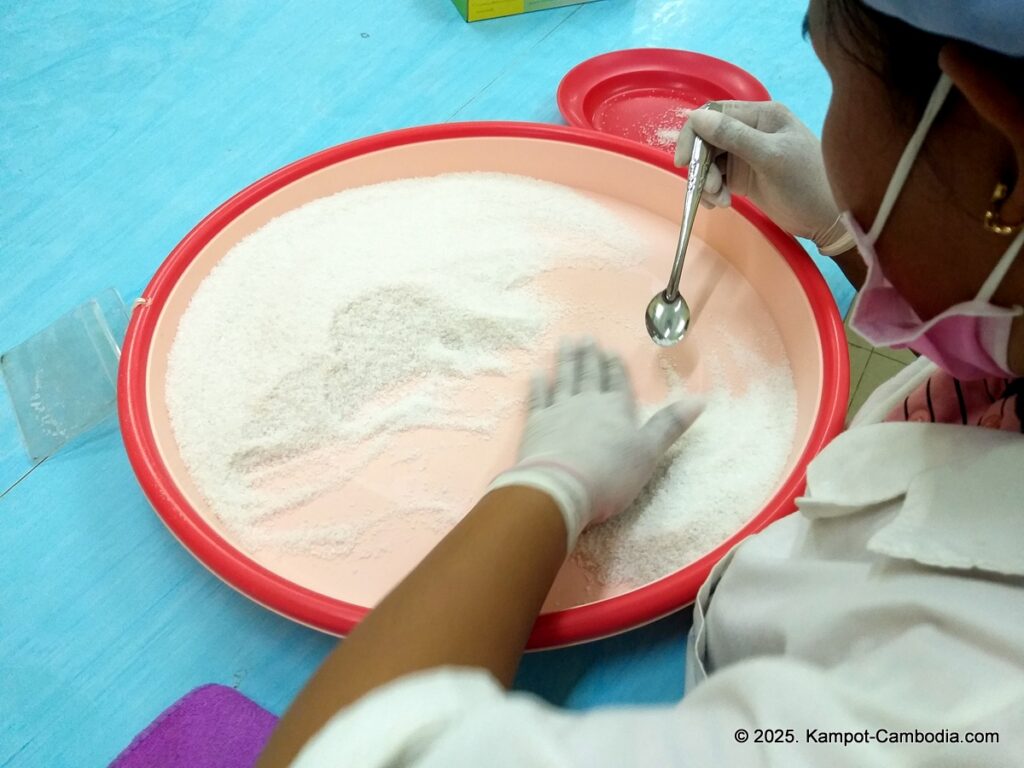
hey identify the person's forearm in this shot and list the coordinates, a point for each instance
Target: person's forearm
(852, 265)
(471, 602)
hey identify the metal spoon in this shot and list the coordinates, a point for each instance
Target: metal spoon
(668, 315)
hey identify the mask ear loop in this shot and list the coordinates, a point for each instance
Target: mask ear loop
(1002, 267)
(910, 152)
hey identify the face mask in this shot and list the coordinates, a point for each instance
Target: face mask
(969, 340)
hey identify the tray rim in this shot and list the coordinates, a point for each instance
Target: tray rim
(582, 623)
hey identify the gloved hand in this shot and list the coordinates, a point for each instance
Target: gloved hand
(772, 158)
(582, 444)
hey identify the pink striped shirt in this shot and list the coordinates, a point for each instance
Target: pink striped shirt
(993, 403)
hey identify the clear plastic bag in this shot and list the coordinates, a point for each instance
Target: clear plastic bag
(63, 380)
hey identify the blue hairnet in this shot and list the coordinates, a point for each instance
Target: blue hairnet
(997, 25)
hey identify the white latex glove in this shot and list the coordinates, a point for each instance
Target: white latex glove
(582, 444)
(769, 156)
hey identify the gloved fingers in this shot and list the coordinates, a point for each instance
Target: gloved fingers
(591, 363)
(667, 425)
(616, 378)
(684, 144)
(752, 113)
(748, 112)
(730, 133)
(723, 199)
(566, 372)
(540, 392)
(716, 193)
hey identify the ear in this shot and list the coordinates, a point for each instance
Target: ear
(981, 76)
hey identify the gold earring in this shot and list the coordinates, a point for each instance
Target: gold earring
(993, 221)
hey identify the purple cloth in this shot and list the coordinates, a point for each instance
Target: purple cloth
(212, 726)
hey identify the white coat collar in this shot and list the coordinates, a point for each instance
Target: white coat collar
(960, 491)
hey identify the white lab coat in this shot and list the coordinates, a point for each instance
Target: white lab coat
(892, 603)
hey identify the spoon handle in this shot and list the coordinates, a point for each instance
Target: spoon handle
(697, 174)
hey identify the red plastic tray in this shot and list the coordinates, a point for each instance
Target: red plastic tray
(577, 624)
(638, 93)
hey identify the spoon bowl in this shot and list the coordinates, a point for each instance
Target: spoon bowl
(667, 319)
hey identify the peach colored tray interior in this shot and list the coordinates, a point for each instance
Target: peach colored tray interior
(735, 280)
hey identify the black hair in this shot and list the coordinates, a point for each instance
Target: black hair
(904, 57)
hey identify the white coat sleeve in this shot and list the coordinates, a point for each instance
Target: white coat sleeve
(452, 717)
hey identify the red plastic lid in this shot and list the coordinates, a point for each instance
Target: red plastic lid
(640, 94)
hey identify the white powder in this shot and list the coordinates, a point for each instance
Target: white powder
(336, 327)
(664, 131)
(710, 483)
(345, 322)
(326, 542)
(667, 137)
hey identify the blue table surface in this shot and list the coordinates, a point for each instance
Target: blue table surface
(121, 125)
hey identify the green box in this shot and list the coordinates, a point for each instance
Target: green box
(477, 10)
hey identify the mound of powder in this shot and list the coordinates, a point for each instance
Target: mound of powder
(343, 322)
(707, 486)
(663, 132)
